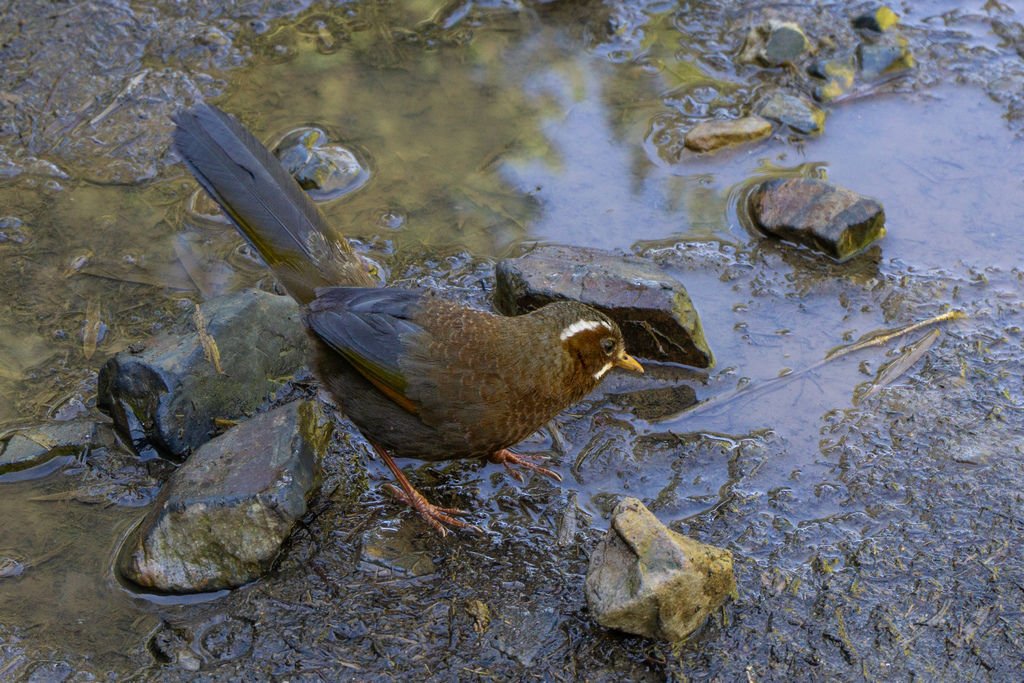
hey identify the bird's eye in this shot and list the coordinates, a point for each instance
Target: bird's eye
(608, 345)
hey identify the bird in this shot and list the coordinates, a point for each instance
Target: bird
(421, 375)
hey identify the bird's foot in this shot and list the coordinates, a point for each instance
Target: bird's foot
(508, 459)
(434, 515)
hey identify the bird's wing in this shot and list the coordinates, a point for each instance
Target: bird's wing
(370, 328)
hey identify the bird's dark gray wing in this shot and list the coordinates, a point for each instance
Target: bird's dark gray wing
(370, 328)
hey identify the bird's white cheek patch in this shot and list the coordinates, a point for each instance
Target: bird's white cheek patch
(583, 326)
(600, 373)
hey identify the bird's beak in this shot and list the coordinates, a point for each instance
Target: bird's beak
(627, 362)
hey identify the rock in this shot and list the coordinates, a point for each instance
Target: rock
(648, 580)
(168, 396)
(794, 111)
(838, 72)
(883, 58)
(221, 518)
(774, 43)
(657, 318)
(326, 170)
(878, 20)
(817, 214)
(711, 135)
(35, 451)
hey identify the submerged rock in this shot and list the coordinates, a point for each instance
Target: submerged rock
(646, 579)
(817, 214)
(168, 396)
(37, 450)
(222, 516)
(326, 170)
(774, 43)
(657, 318)
(794, 111)
(711, 135)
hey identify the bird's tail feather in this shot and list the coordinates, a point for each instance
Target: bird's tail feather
(265, 203)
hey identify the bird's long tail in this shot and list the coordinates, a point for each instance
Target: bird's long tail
(265, 203)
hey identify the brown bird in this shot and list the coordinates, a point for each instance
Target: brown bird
(421, 376)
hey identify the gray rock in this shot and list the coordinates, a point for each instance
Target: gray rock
(168, 396)
(657, 318)
(886, 57)
(648, 580)
(825, 217)
(326, 170)
(774, 43)
(221, 518)
(838, 74)
(794, 111)
(37, 450)
(707, 136)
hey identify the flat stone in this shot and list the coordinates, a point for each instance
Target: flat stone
(707, 136)
(167, 397)
(37, 450)
(221, 518)
(657, 317)
(817, 214)
(794, 111)
(648, 580)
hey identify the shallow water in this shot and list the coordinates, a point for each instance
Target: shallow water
(500, 126)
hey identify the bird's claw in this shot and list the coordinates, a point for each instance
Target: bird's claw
(434, 515)
(508, 459)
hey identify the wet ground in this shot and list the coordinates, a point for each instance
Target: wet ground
(875, 522)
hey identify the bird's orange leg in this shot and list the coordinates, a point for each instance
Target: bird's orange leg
(508, 459)
(434, 515)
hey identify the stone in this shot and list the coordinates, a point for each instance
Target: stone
(774, 43)
(648, 580)
(707, 136)
(657, 317)
(817, 214)
(326, 170)
(166, 398)
(794, 111)
(884, 58)
(35, 451)
(221, 518)
(837, 72)
(878, 20)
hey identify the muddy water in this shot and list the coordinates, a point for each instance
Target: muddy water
(487, 129)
